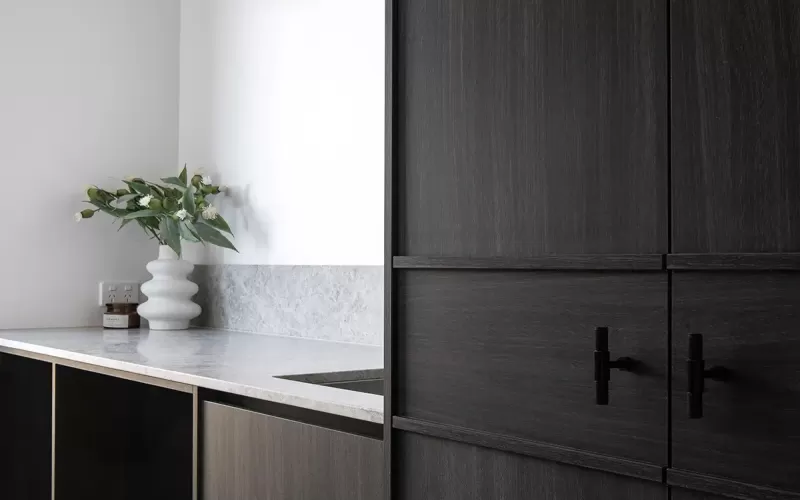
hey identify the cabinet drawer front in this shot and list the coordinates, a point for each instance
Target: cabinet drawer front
(251, 456)
(750, 429)
(448, 470)
(512, 353)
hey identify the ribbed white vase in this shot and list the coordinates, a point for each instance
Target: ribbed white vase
(169, 305)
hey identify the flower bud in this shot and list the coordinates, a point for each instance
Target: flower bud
(155, 204)
(197, 180)
(87, 214)
(122, 192)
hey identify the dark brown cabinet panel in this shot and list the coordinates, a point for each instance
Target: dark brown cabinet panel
(252, 456)
(26, 423)
(531, 127)
(511, 353)
(749, 431)
(681, 494)
(438, 469)
(119, 439)
(735, 126)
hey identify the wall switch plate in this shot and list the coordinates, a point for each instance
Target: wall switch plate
(119, 292)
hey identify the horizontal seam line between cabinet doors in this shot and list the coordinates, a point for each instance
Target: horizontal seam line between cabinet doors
(534, 449)
(726, 487)
(734, 262)
(591, 262)
(101, 370)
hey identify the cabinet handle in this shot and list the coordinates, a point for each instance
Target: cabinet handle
(696, 367)
(603, 365)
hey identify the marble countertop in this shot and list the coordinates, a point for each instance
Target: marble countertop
(238, 363)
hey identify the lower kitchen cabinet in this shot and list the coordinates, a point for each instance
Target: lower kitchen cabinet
(252, 456)
(26, 421)
(120, 439)
(432, 468)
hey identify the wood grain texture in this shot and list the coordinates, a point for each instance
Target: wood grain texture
(531, 127)
(121, 439)
(650, 262)
(534, 449)
(25, 419)
(715, 488)
(511, 353)
(735, 126)
(749, 431)
(682, 494)
(734, 262)
(250, 456)
(432, 468)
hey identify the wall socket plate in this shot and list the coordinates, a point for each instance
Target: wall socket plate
(119, 292)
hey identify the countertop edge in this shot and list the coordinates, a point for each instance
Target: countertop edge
(332, 407)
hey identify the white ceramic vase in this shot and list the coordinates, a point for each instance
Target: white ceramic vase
(169, 305)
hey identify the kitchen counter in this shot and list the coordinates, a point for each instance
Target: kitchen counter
(238, 363)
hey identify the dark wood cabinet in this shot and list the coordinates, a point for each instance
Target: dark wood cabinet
(531, 127)
(252, 456)
(735, 126)
(438, 469)
(121, 439)
(26, 422)
(749, 431)
(511, 352)
(682, 494)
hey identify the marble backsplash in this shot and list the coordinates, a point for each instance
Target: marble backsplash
(341, 303)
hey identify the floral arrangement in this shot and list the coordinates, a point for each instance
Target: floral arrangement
(177, 209)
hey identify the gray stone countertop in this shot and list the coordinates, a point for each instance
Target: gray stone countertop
(238, 363)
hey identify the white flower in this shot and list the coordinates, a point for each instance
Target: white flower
(210, 212)
(182, 214)
(78, 217)
(144, 201)
(207, 180)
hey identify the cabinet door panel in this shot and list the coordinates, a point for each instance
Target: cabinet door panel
(681, 494)
(26, 420)
(512, 353)
(735, 126)
(531, 127)
(251, 456)
(749, 431)
(438, 469)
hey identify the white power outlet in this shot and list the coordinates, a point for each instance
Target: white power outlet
(119, 292)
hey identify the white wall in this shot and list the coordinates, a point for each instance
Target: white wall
(88, 94)
(282, 100)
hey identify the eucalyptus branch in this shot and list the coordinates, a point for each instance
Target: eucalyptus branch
(175, 210)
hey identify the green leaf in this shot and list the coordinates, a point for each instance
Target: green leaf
(192, 229)
(219, 223)
(126, 198)
(142, 213)
(187, 234)
(188, 201)
(138, 187)
(210, 235)
(171, 234)
(114, 212)
(183, 176)
(124, 223)
(174, 181)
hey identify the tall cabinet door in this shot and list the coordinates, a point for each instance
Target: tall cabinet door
(531, 127)
(530, 146)
(735, 126)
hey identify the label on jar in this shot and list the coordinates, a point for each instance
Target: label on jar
(116, 321)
